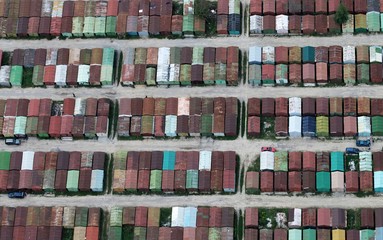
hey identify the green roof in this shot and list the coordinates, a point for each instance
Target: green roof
(115, 233)
(373, 21)
(110, 27)
(206, 124)
(280, 161)
(140, 233)
(192, 179)
(5, 158)
(16, 76)
(377, 125)
(155, 180)
(367, 234)
(72, 180)
(116, 217)
(323, 181)
(169, 160)
(309, 234)
(337, 161)
(295, 234)
(81, 218)
(308, 54)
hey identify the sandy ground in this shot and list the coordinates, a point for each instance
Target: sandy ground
(247, 149)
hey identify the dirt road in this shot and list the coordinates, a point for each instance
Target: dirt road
(239, 201)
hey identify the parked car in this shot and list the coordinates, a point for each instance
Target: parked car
(351, 150)
(363, 143)
(17, 194)
(12, 141)
(268, 149)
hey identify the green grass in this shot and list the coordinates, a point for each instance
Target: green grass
(67, 233)
(165, 217)
(352, 158)
(103, 225)
(177, 8)
(6, 59)
(127, 232)
(243, 119)
(268, 127)
(27, 77)
(254, 166)
(353, 219)
(270, 213)
(243, 65)
(246, 18)
(119, 69)
(242, 178)
(109, 171)
(239, 228)
(113, 117)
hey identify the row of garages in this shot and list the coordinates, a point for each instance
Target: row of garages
(173, 223)
(174, 172)
(316, 172)
(52, 171)
(183, 66)
(313, 66)
(50, 222)
(126, 18)
(45, 118)
(316, 117)
(172, 117)
(313, 224)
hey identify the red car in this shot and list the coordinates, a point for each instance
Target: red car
(268, 149)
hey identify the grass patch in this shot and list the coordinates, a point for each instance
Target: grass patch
(253, 191)
(268, 126)
(6, 59)
(352, 162)
(241, 179)
(246, 20)
(177, 8)
(269, 214)
(27, 77)
(243, 119)
(244, 66)
(113, 117)
(119, 67)
(353, 219)
(103, 224)
(109, 171)
(255, 165)
(364, 194)
(165, 217)
(127, 232)
(67, 233)
(239, 229)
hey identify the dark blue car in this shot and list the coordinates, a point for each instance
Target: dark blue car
(351, 150)
(363, 143)
(17, 194)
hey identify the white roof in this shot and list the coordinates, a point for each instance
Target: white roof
(178, 216)
(295, 106)
(27, 160)
(295, 126)
(297, 221)
(204, 160)
(267, 161)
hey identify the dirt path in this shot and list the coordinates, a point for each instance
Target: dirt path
(238, 201)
